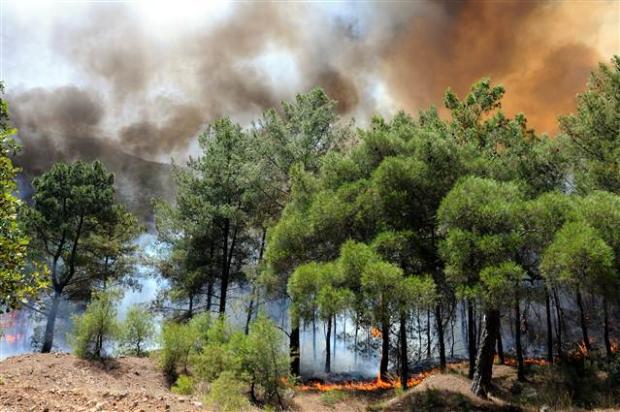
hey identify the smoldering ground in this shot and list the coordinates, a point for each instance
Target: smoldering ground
(146, 91)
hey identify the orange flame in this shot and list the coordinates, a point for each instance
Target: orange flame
(367, 386)
(375, 333)
(527, 361)
(10, 339)
(614, 345)
(582, 350)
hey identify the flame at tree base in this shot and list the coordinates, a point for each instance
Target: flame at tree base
(367, 386)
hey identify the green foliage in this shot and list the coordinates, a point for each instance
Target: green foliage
(177, 343)
(137, 330)
(184, 385)
(593, 132)
(16, 283)
(226, 394)
(267, 360)
(96, 327)
(578, 256)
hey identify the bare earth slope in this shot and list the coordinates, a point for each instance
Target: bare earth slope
(61, 382)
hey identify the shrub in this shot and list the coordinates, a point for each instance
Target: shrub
(96, 326)
(226, 394)
(137, 331)
(184, 385)
(177, 343)
(266, 360)
(223, 351)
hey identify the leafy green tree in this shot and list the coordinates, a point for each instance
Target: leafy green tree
(482, 230)
(317, 288)
(542, 217)
(177, 341)
(602, 211)
(110, 250)
(96, 327)
(593, 133)
(266, 361)
(580, 258)
(137, 330)
(70, 203)
(16, 282)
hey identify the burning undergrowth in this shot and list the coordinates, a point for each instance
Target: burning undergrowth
(336, 382)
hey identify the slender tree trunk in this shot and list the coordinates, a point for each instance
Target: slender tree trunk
(48, 338)
(190, 309)
(385, 349)
(582, 321)
(227, 255)
(335, 338)
(209, 295)
(248, 317)
(452, 322)
(606, 327)
(404, 361)
(419, 334)
(500, 344)
(428, 334)
(471, 338)
(560, 323)
(357, 326)
(486, 353)
(328, 361)
(314, 336)
(440, 336)
(518, 346)
(549, 326)
(294, 351)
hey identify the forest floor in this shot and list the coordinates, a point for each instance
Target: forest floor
(60, 382)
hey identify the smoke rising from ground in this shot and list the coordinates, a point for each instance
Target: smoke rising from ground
(149, 92)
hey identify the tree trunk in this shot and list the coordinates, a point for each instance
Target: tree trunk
(404, 361)
(549, 327)
(500, 344)
(606, 327)
(440, 336)
(484, 364)
(48, 338)
(335, 337)
(560, 323)
(314, 336)
(385, 350)
(471, 338)
(190, 309)
(518, 346)
(328, 335)
(428, 334)
(582, 321)
(294, 351)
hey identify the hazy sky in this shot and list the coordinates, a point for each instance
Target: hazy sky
(146, 76)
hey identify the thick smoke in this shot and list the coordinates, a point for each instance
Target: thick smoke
(149, 94)
(541, 52)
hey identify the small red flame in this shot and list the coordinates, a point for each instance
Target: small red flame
(375, 333)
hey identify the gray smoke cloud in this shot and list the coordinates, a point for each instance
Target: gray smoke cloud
(149, 94)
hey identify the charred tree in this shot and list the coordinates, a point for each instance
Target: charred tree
(582, 321)
(404, 361)
(549, 326)
(518, 345)
(471, 338)
(486, 352)
(385, 349)
(328, 334)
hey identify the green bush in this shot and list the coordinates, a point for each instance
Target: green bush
(178, 341)
(223, 351)
(137, 331)
(185, 385)
(267, 360)
(96, 327)
(226, 394)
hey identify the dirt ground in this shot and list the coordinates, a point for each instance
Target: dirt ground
(61, 382)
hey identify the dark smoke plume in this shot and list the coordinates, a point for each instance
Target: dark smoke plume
(145, 95)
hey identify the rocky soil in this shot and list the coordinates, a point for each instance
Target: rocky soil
(61, 382)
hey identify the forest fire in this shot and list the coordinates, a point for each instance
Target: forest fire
(366, 386)
(528, 361)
